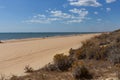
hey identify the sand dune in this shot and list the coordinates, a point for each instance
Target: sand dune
(15, 55)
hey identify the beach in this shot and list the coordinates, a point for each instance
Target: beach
(37, 52)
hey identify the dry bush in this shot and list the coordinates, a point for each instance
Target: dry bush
(62, 62)
(28, 69)
(114, 53)
(81, 52)
(80, 72)
(102, 36)
(71, 52)
(14, 78)
(117, 30)
(103, 47)
(91, 50)
(50, 67)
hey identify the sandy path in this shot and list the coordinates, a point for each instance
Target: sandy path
(15, 55)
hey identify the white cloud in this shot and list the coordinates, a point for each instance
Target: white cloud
(60, 14)
(110, 1)
(81, 15)
(38, 19)
(39, 16)
(93, 3)
(108, 9)
(41, 19)
(99, 20)
(74, 21)
(75, 16)
(81, 12)
(96, 12)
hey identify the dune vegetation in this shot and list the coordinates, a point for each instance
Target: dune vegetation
(97, 59)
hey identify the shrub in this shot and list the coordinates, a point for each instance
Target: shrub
(50, 67)
(99, 53)
(28, 69)
(71, 52)
(102, 36)
(114, 58)
(93, 49)
(14, 78)
(62, 62)
(81, 72)
(81, 55)
(114, 53)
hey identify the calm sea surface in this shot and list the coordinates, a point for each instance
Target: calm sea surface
(8, 36)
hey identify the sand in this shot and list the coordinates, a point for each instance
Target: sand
(16, 54)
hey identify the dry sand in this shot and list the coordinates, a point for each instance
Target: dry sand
(16, 54)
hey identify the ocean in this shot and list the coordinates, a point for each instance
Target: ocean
(9, 36)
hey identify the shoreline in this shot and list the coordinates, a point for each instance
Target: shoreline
(40, 38)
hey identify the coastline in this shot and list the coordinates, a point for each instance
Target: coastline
(40, 38)
(36, 52)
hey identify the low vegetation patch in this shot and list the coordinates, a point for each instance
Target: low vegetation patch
(80, 71)
(62, 62)
(50, 67)
(28, 69)
(104, 47)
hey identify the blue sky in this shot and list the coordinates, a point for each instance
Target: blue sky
(59, 15)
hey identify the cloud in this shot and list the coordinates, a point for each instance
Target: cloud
(92, 3)
(99, 20)
(108, 9)
(95, 12)
(110, 1)
(81, 15)
(41, 19)
(39, 16)
(59, 14)
(81, 12)
(74, 16)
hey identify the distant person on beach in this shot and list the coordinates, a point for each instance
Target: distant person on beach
(0, 41)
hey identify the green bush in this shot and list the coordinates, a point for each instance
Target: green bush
(62, 61)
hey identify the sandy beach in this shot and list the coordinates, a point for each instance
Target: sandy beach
(16, 54)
